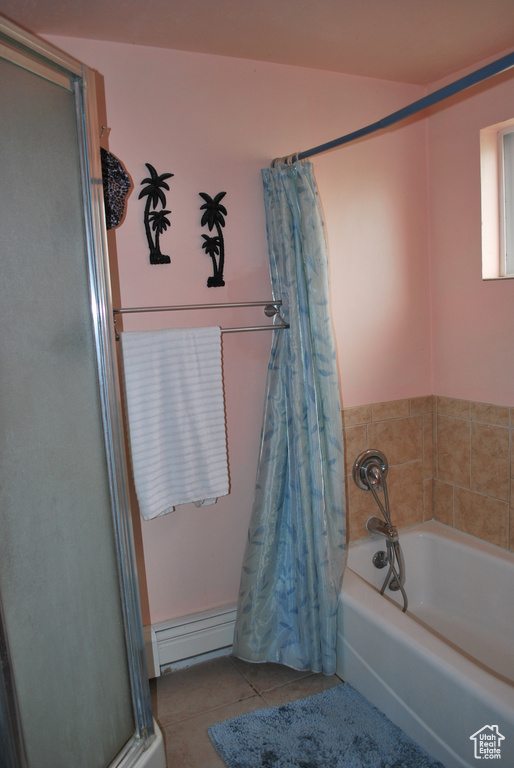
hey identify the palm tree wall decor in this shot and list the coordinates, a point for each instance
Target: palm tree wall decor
(214, 246)
(155, 220)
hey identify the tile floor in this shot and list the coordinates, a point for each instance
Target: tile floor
(187, 701)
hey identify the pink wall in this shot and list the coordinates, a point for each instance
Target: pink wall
(473, 319)
(375, 199)
(215, 122)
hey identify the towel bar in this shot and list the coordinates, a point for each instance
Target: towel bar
(271, 309)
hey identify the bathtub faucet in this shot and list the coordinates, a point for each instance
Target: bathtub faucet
(369, 473)
(375, 525)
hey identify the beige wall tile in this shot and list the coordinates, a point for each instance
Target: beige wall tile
(428, 446)
(355, 441)
(443, 502)
(421, 405)
(434, 459)
(394, 409)
(405, 486)
(428, 499)
(490, 461)
(434, 444)
(492, 414)
(361, 505)
(359, 414)
(454, 450)
(400, 440)
(511, 519)
(511, 444)
(482, 516)
(451, 406)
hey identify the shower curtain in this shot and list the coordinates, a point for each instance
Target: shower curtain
(294, 558)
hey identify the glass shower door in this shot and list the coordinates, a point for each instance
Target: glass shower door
(67, 584)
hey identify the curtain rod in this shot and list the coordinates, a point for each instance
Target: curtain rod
(494, 68)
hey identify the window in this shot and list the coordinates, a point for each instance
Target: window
(506, 156)
(497, 179)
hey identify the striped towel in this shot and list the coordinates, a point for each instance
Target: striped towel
(176, 417)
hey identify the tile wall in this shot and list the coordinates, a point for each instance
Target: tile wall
(448, 459)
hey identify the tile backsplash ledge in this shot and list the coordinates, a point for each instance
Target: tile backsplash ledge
(450, 460)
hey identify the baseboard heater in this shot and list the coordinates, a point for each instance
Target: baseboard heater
(189, 637)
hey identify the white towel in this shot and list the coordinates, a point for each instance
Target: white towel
(176, 417)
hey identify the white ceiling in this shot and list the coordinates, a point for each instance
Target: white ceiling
(414, 41)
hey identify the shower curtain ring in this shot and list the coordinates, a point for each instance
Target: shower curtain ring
(287, 160)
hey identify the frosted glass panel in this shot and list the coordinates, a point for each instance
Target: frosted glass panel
(58, 574)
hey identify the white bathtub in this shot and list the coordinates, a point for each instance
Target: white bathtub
(445, 669)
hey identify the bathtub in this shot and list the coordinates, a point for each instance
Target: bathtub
(443, 671)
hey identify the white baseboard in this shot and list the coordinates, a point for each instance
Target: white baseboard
(188, 639)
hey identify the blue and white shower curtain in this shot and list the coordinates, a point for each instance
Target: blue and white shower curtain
(295, 553)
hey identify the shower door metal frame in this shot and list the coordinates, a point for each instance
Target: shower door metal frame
(41, 58)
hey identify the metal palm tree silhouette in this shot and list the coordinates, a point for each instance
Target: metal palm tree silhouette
(214, 246)
(160, 224)
(155, 220)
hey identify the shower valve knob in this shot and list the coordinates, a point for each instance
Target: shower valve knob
(370, 470)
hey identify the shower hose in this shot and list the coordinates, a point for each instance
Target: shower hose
(395, 578)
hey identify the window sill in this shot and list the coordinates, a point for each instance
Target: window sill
(499, 277)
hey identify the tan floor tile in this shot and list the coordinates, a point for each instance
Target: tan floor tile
(262, 677)
(300, 689)
(188, 692)
(188, 744)
(187, 741)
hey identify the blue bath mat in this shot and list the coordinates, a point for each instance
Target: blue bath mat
(334, 729)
